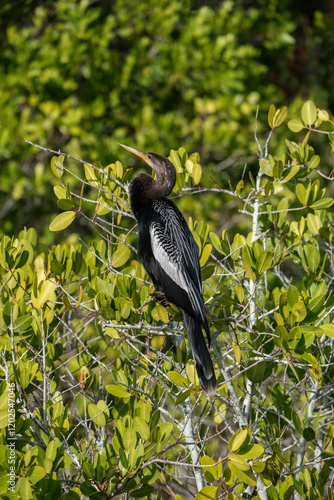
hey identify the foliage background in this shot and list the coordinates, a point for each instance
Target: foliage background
(80, 77)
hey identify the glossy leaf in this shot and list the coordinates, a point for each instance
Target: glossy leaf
(301, 193)
(280, 116)
(271, 114)
(57, 165)
(36, 474)
(239, 439)
(246, 260)
(313, 258)
(213, 471)
(208, 493)
(121, 256)
(328, 330)
(299, 310)
(295, 125)
(322, 204)
(118, 391)
(129, 439)
(263, 262)
(251, 451)
(65, 204)
(178, 379)
(62, 221)
(309, 113)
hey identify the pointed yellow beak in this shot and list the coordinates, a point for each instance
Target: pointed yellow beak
(142, 155)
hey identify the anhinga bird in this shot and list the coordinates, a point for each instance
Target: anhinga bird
(168, 252)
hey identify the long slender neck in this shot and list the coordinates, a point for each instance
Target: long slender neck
(143, 188)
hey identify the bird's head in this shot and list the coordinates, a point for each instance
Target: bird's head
(163, 168)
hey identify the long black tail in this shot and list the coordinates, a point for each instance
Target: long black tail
(201, 354)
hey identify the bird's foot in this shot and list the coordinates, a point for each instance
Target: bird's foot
(160, 297)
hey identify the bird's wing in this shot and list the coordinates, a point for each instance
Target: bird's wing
(175, 249)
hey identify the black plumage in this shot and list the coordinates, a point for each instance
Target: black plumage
(168, 252)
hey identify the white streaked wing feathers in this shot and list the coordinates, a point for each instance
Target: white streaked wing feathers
(166, 254)
(175, 252)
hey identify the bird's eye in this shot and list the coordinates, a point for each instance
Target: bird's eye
(149, 156)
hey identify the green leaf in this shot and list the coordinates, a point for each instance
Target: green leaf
(297, 422)
(136, 456)
(245, 476)
(255, 372)
(21, 259)
(142, 492)
(4, 405)
(238, 461)
(237, 352)
(322, 204)
(24, 488)
(182, 397)
(292, 295)
(280, 116)
(263, 262)
(278, 170)
(308, 434)
(283, 204)
(246, 260)
(36, 474)
(290, 173)
(160, 313)
(316, 371)
(140, 426)
(258, 467)
(62, 221)
(57, 165)
(118, 391)
(323, 115)
(251, 451)
(45, 293)
(196, 173)
(313, 258)
(52, 449)
(240, 187)
(121, 256)
(129, 439)
(216, 242)
(328, 330)
(206, 252)
(65, 204)
(91, 175)
(301, 193)
(309, 113)
(295, 125)
(240, 438)
(271, 114)
(313, 223)
(314, 161)
(266, 167)
(207, 271)
(208, 493)
(97, 414)
(165, 430)
(299, 310)
(23, 323)
(175, 159)
(56, 267)
(178, 379)
(214, 471)
(60, 192)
